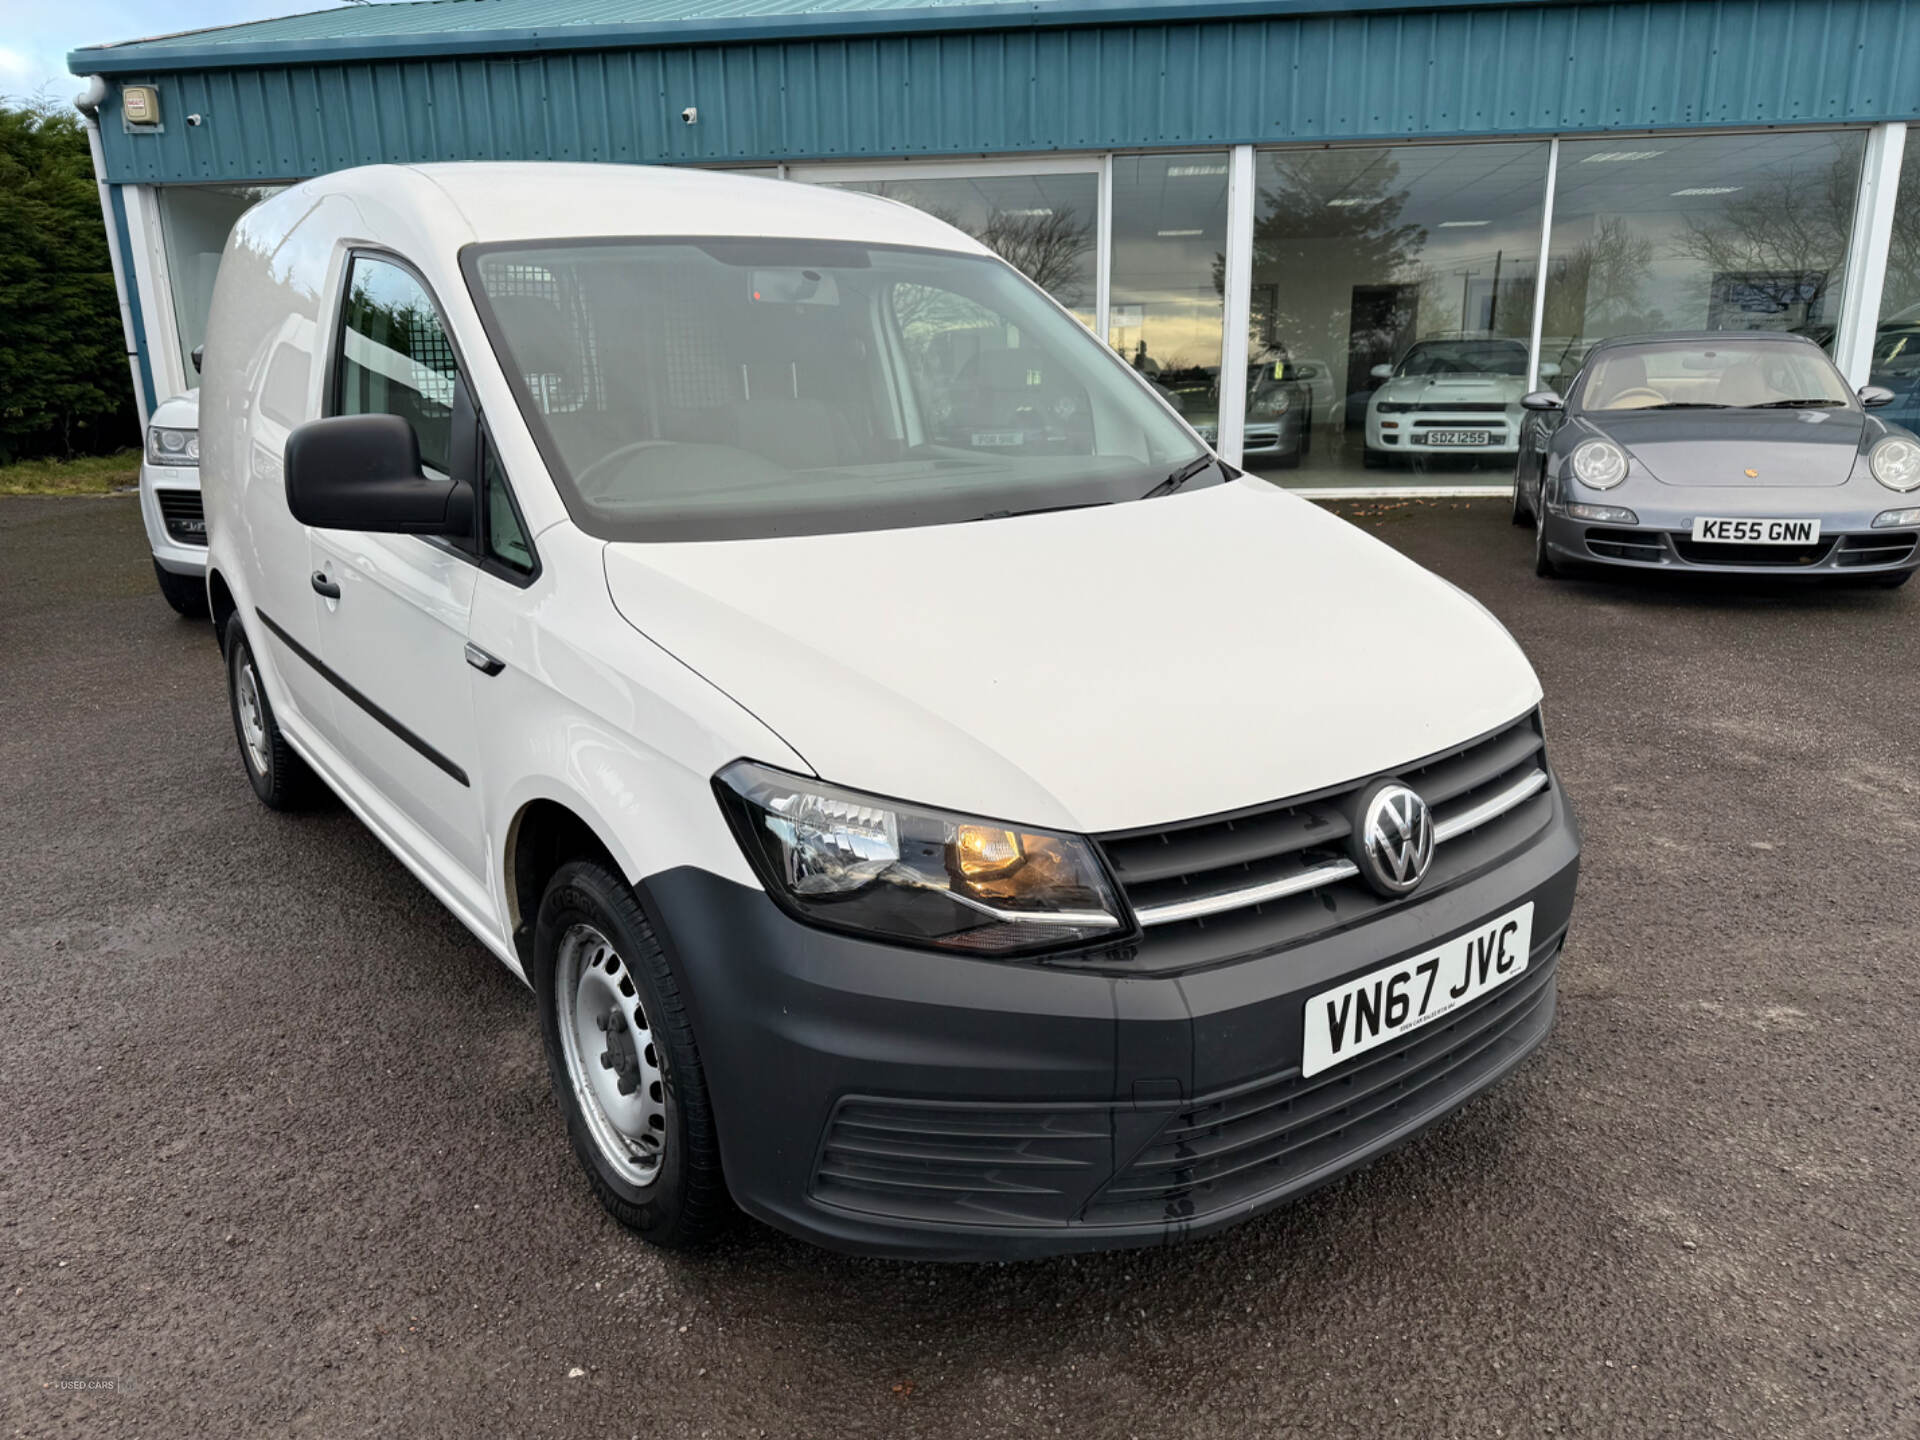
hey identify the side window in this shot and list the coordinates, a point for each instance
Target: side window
(395, 358)
(506, 536)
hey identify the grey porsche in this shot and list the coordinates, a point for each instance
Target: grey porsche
(1730, 452)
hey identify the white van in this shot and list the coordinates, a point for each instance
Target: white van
(932, 798)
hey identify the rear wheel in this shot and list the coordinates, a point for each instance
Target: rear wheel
(187, 594)
(279, 777)
(621, 1052)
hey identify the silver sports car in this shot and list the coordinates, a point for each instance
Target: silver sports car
(1723, 451)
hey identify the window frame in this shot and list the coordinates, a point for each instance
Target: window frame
(472, 548)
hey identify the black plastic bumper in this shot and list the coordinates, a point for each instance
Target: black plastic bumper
(1031, 1099)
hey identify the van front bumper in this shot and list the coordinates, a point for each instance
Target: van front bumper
(171, 511)
(889, 1101)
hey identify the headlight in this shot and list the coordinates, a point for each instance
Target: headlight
(1274, 402)
(926, 877)
(1895, 463)
(168, 446)
(1599, 463)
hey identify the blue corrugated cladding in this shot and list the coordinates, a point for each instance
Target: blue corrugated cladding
(1560, 69)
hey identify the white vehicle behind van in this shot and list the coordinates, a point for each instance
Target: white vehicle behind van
(170, 503)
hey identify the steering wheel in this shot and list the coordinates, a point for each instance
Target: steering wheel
(1635, 392)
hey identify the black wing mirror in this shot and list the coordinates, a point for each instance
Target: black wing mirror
(199, 354)
(1542, 400)
(1874, 396)
(362, 472)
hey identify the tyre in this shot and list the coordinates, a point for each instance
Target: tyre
(1521, 512)
(187, 594)
(1543, 564)
(1894, 582)
(279, 777)
(624, 1064)
(1372, 459)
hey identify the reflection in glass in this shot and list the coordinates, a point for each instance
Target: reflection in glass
(1042, 225)
(1896, 343)
(1392, 297)
(1720, 232)
(1164, 311)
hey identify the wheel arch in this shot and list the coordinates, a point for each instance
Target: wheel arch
(545, 833)
(221, 603)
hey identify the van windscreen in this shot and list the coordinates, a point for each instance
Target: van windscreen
(693, 389)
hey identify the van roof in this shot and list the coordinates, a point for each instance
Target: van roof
(521, 201)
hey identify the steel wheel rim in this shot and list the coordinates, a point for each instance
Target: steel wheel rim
(253, 718)
(614, 1067)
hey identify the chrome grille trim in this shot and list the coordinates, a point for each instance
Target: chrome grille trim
(1328, 872)
(1491, 808)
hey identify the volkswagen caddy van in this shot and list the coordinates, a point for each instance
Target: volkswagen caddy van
(933, 800)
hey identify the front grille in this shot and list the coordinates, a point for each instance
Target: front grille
(1282, 1132)
(1468, 407)
(1786, 557)
(1259, 880)
(180, 511)
(1877, 547)
(982, 1164)
(1646, 546)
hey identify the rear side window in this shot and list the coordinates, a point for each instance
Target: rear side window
(395, 358)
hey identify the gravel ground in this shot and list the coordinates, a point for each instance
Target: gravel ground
(280, 1157)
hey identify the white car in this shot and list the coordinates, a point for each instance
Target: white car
(1455, 396)
(170, 503)
(884, 738)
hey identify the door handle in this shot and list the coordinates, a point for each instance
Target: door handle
(323, 586)
(482, 661)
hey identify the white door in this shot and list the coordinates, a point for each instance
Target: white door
(394, 636)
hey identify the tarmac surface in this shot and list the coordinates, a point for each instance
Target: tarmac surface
(278, 1154)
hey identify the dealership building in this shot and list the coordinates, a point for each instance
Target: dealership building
(1262, 205)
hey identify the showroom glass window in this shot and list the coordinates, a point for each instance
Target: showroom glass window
(1045, 226)
(195, 221)
(1165, 307)
(1360, 254)
(1714, 232)
(1896, 342)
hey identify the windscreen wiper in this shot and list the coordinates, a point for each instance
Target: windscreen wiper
(1179, 477)
(1796, 405)
(1686, 405)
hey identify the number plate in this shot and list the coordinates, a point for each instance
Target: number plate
(1353, 1018)
(1756, 532)
(1457, 437)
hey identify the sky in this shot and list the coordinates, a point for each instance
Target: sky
(35, 35)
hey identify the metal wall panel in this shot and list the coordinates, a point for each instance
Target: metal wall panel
(1374, 75)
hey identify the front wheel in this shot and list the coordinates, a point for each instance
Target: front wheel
(187, 594)
(623, 1060)
(1543, 563)
(1522, 513)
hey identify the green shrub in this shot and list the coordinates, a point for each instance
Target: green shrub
(64, 385)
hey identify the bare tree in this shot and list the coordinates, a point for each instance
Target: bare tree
(1784, 238)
